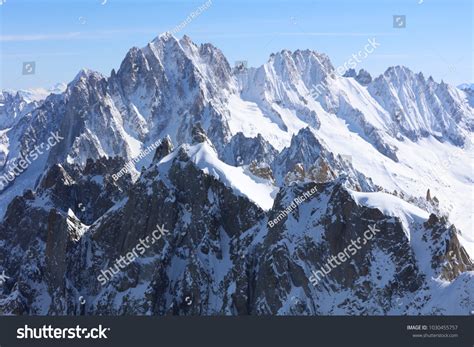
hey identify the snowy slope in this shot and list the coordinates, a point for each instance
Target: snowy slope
(204, 156)
(38, 94)
(392, 206)
(405, 132)
(425, 164)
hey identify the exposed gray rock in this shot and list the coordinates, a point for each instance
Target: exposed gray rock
(220, 251)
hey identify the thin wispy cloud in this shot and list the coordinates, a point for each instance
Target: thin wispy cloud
(391, 56)
(103, 34)
(345, 34)
(210, 35)
(38, 55)
(39, 37)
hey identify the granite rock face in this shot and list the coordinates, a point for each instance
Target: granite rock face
(258, 184)
(219, 251)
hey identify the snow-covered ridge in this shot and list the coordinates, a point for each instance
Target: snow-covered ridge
(466, 86)
(248, 143)
(397, 129)
(243, 183)
(393, 206)
(37, 94)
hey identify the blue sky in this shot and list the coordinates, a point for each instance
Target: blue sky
(63, 36)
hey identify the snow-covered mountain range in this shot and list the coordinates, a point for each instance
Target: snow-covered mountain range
(237, 147)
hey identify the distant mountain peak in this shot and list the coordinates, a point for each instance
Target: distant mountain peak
(466, 86)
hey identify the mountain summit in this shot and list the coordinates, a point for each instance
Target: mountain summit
(238, 148)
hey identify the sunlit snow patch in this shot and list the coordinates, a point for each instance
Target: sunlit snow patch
(392, 206)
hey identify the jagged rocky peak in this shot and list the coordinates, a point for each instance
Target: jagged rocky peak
(217, 204)
(85, 78)
(134, 55)
(208, 61)
(166, 53)
(401, 77)
(398, 73)
(420, 107)
(281, 76)
(469, 90)
(363, 77)
(87, 88)
(310, 66)
(304, 149)
(308, 160)
(242, 150)
(187, 73)
(198, 134)
(319, 172)
(54, 176)
(350, 73)
(466, 86)
(211, 56)
(164, 38)
(103, 166)
(199, 210)
(261, 169)
(305, 139)
(133, 64)
(166, 47)
(397, 76)
(208, 52)
(298, 174)
(337, 219)
(7, 97)
(448, 258)
(165, 148)
(13, 106)
(88, 192)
